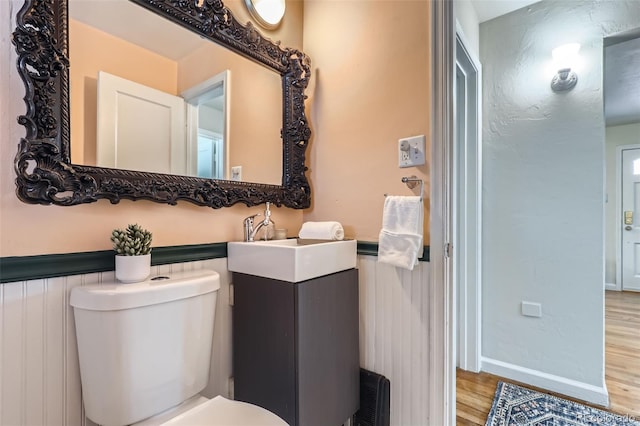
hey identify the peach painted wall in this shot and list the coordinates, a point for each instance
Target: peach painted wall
(91, 51)
(33, 229)
(370, 88)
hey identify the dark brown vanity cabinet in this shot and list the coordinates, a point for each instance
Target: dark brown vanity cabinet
(295, 347)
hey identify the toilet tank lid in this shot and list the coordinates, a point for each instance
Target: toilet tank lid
(113, 296)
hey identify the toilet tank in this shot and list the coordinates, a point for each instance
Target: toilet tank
(144, 347)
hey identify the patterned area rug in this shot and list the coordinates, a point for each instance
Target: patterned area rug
(515, 406)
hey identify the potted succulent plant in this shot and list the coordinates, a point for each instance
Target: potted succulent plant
(133, 253)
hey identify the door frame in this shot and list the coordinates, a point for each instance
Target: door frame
(197, 94)
(619, 213)
(467, 212)
(442, 344)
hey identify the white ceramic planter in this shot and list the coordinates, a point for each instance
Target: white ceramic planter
(133, 269)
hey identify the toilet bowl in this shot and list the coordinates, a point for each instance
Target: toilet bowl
(144, 351)
(218, 411)
(221, 411)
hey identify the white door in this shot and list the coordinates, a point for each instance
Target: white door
(630, 220)
(124, 141)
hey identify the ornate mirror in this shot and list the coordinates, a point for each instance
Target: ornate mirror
(48, 174)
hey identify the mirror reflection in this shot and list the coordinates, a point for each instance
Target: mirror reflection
(149, 95)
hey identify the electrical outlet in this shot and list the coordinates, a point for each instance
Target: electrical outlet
(531, 309)
(411, 151)
(404, 152)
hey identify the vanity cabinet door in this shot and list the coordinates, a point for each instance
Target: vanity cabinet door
(264, 344)
(327, 346)
(296, 347)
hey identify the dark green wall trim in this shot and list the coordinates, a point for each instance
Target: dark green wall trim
(23, 268)
(368, 248)
(60, 265)
(54, 265)
(191, 253)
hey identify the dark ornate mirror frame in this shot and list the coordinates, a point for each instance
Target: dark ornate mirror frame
(43, 166)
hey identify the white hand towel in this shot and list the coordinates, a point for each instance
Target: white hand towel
(322, 231)
(399, 249)
(400, 240)
(403, 215)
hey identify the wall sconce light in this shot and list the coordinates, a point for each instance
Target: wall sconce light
(268, 13)
(564, 57)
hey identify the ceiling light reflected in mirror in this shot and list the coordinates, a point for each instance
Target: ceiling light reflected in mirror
(268, 13)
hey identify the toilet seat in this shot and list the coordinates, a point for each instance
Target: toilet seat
(221, 411)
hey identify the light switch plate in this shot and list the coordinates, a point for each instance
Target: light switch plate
(411, 151)
(236, 173)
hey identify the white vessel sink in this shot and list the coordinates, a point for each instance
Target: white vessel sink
(291, 260)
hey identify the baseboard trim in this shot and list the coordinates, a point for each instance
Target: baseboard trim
(611, 286)
(572, 388)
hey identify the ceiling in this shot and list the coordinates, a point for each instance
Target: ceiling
(489, 9)
(122, 19)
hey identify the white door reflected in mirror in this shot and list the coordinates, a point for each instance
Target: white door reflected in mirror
(163, 142)
(124, 141)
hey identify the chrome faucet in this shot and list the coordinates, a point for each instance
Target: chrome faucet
(249, 230)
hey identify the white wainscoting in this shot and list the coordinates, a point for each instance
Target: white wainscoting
(40, 382)
(394, 334)
(40, 378)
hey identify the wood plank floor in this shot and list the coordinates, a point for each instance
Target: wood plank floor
(622, 350)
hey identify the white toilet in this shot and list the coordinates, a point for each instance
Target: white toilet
(144, 352)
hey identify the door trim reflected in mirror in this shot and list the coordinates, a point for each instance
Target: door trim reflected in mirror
(196, 97)
(45, 174)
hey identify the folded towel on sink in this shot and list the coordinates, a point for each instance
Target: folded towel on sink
(322, 231)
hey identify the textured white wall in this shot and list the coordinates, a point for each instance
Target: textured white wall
(628, 134)
(543, 191)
